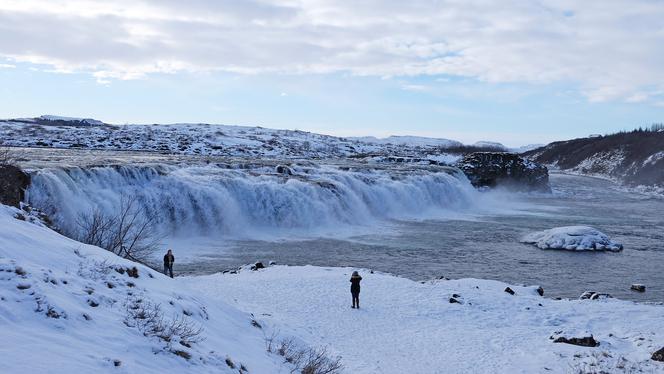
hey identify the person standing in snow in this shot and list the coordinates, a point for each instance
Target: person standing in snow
(169, 259)
(355, 289)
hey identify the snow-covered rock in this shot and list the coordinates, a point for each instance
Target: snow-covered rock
(579, 238)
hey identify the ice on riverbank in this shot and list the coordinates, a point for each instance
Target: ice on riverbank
(579, 238)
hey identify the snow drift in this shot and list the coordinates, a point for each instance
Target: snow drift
(579, 238)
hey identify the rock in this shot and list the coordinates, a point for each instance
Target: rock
(456, 295)
(540, 291)
(258, 265)
(592, 295)
(584, 341)
(493, 169)
(13, 183)
(509, 291)
(454, 301)
(638, 287)
(658, 356)
(282, 169)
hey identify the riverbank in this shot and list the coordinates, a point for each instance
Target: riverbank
(408, 326)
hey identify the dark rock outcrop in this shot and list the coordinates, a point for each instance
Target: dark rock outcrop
(509, 291)
(493, 169)
(540, 291)
(13, 183)
(638, 288)
(586, 341)
(282, 169)
(658, 356)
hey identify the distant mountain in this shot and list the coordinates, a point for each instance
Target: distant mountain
(495, 145)
(632, 158)
(526, 148)
(411, 141)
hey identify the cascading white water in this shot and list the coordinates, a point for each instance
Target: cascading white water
(211, 200)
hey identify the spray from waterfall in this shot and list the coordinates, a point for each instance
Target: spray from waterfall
(239, 203)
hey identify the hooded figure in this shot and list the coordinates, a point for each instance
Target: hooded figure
(355, 289)
(169, 259)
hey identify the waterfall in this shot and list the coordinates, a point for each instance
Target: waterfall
(218, 200)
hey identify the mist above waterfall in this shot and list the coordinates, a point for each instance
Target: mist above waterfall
(218, 200)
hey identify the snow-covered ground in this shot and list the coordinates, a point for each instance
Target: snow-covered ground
(578, 238)
(405, 326)
(65, 308)
(68, 307)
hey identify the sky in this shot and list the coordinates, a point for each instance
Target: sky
(518, 72)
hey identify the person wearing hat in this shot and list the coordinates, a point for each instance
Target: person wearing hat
(355, 289)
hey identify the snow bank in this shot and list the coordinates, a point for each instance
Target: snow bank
(579, 238)
(405, 326)
(64, 308)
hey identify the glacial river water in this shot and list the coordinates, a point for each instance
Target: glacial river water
(487, 245)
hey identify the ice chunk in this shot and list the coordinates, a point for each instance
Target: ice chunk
(579, 238)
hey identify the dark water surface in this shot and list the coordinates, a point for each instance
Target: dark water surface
(488, 246)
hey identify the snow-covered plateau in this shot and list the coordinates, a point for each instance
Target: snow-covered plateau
(69, 307)
(208, 140)
(576, 238)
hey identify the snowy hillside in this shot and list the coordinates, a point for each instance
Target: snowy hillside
(66, 307)
(206, 140)
(635, 158)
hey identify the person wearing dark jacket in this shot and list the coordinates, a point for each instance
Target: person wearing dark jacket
(169, 259)
(355, 289)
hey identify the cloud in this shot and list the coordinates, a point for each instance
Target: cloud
(610, 50)
(415, 87)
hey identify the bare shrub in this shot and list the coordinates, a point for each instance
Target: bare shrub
(317, 361)
(604, 362)
(305, 360)
(130, 232)
(149, 319)
(94, 270)
(7, 157)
